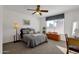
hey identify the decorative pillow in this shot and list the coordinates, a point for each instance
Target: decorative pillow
(26, 31)
(31, 32)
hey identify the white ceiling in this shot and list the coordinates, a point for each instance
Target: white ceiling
(52, 9)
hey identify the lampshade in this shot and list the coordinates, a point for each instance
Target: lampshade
(16, 25)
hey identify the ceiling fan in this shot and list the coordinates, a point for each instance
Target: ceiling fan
(37, 10)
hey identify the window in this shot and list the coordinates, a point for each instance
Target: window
(55, 26)
(75, 26)
(51, 23)
(55, 23)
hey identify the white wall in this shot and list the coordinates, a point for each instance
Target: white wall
(1, 18)
(42, 23)
(70, 17)
(9, 18)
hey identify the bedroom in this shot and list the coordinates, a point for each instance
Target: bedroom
(17, 14)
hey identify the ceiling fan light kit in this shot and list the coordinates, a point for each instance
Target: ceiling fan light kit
(37, 10)
(37, 13)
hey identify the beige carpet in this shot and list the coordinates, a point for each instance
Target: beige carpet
(51, 47)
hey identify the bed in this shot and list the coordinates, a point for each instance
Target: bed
(32, 39)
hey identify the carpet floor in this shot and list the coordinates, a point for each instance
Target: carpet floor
(51, 47)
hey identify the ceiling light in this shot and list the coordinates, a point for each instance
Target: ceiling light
(37, 13)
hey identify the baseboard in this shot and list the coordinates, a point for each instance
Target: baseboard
(8, 42)
(12, 42)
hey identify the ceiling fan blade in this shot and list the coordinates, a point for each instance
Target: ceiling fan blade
(40, 13)
(34, 13)
(44, 10)
(31, 9)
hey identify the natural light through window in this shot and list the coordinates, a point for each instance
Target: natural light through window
(55, 26)
(75, 26)
(51, 23)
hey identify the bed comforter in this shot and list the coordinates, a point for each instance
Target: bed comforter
(33, 40)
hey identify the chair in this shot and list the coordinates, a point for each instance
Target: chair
(72, 44)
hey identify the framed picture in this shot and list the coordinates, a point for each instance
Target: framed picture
(26, 22)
